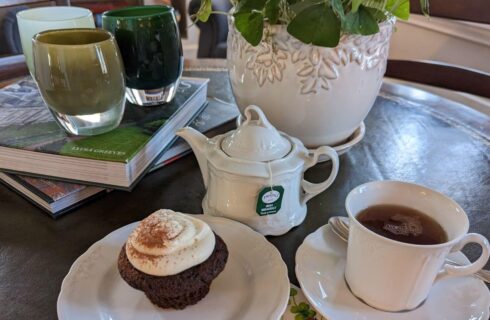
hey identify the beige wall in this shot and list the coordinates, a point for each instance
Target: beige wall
(456, 42)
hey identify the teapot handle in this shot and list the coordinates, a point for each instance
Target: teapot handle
(312, 189)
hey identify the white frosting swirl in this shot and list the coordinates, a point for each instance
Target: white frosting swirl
(167, 242)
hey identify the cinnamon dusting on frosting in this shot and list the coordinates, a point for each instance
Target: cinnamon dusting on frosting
(168, 242)
(143, 256)
(153, 233)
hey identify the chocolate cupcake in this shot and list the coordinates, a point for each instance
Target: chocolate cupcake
(172, 258)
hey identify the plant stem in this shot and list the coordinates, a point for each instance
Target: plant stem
(220, 12)
(294, 301)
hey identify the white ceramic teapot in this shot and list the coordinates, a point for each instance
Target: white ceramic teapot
(254, 174)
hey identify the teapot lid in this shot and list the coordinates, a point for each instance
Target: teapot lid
(256, 139)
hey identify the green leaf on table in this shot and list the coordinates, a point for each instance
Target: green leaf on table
(292, 292)
(355, 5)
(360, 22)
(250, 25)
(303, 306)
(272, 11)
(204, 10)
(338, 8)
(310, 314)
(250, 5)
(399, 8)
(317, 25)
(301, 5)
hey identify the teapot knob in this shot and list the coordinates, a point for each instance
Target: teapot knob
(255, 138)
(252, 110)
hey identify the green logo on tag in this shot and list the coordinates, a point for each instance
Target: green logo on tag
(269, 200)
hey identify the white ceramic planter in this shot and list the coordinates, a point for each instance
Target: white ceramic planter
(319, 95)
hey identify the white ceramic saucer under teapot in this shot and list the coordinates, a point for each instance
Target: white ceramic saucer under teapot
(254, 174)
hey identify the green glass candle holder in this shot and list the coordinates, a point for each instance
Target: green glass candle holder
(80, 75)
(149, 40)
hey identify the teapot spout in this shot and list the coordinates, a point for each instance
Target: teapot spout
(198, 143)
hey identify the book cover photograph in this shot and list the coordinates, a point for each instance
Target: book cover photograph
(26, 123)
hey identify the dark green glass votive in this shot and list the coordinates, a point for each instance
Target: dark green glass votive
(149, 40)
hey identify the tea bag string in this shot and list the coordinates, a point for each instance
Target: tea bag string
(270, 174)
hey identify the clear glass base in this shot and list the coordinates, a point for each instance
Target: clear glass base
(90, 124)
(152, 97)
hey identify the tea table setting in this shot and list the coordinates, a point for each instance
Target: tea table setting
(46, 249)
(315, 201)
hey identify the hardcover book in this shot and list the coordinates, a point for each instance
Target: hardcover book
(32, 144)
(58, 197)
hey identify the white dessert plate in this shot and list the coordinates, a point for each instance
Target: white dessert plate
(354, 139)
(253, 285)
(320, 264)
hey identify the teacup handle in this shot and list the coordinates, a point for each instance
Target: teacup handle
(454, 271)
(312, 189)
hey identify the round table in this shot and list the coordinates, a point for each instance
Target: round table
(411, 135)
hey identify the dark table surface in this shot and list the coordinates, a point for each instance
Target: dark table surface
(411, 136)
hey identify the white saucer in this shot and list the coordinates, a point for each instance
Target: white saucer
(320, 263)
(354, 139)
(342, 148)
(253, 285)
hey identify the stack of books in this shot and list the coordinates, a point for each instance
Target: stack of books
(59, 172)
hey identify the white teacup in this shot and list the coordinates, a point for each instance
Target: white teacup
(397, 276)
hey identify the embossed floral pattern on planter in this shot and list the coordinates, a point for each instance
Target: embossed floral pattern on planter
(315, 66)
(317, 94)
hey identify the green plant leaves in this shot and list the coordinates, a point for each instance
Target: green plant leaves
(247, 6)
(316, 22)
(338, 8)
(249, 20)
(272, 11)
(317, 25)
(250, 25)
(204, 10)
(399, 8)
(301, 5)
(376, 4)
(356, 4)
(379, 15)
(360, 22)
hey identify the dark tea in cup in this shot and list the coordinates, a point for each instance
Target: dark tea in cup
(402, 224)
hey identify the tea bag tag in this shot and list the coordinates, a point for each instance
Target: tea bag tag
(270, 198)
